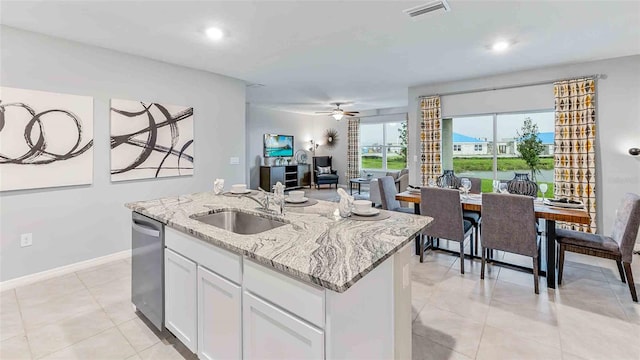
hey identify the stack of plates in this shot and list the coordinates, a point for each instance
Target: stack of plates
(565, 203)
(295, 201)
(414, 189)
(246, 191)
(368, 212)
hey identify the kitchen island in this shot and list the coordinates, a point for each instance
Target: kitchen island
(317, 286)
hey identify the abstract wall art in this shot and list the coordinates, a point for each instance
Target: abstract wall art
(150, 140)
(46, 139)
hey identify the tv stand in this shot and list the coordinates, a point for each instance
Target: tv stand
(292, 176)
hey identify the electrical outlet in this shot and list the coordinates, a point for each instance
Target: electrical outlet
(234, 160)
(26, 240)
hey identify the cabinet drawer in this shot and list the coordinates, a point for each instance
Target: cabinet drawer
(297, 297)
(271, 333)
(222, 262)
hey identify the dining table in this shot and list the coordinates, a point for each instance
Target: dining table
(549, 213)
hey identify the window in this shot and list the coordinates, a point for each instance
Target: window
(509, 126)
(470, 157)
(383, 146)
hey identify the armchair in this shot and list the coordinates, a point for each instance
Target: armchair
(320, 179)
(401, 178)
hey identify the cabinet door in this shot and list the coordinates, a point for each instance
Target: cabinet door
(271, 333)
(180, 289)
(219, 317)
(277, 174)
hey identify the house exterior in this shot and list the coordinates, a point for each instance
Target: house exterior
(469, 146)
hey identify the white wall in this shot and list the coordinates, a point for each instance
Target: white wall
(77, 223)
(303, 127)
(618, 122)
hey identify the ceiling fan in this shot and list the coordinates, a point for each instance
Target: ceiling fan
(338, 113)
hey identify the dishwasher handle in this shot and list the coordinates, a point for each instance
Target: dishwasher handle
(145, 230)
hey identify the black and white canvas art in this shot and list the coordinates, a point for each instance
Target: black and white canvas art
(46, 139)
(150, 140)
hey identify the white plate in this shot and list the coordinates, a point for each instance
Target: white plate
(413, 190)
(371, 212)
(240, 192)
(297, 201)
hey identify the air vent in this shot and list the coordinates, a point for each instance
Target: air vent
(427, 8)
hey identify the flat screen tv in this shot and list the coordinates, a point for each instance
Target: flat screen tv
(278, 145)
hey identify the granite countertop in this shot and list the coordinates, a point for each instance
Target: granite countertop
(316, 245)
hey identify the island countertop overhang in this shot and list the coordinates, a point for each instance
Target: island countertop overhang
(315, 246)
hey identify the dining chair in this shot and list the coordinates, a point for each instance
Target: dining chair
(444, 206)
(508, 224)
(474, 216)
(388, 191)
(618, 246)
(476, 185)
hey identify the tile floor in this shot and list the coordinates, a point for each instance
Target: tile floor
(87, 315)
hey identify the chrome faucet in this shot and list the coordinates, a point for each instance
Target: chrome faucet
(264, 204)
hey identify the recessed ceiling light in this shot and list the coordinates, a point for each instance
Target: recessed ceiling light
(214, 33)
(500, 46)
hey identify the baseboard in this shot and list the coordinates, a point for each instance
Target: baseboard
(63, 270)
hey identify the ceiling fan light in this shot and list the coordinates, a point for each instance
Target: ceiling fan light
(338, 115)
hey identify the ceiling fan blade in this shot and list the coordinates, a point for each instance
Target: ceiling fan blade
(351, 112)
(324, 112)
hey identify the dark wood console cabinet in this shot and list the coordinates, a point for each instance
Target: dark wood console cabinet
(292, 176)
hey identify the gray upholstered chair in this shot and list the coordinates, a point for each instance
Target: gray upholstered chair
(401, 178)
(474, 216)
(444, 206)
(374, 193)
(508, 224)
(388, 192)
(618, 246)
(476, 185)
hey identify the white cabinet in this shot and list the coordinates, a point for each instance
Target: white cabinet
(219, 317)
(181, 298)
(270, 333)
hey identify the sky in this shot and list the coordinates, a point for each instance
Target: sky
(473, 126)
(372, 133)
(508, 124)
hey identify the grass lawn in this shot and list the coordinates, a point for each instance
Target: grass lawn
(467, 164)
(459, 164)
(504, 164)
(393, 163)
(487, 186)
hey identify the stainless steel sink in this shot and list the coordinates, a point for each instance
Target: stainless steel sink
(239, 222)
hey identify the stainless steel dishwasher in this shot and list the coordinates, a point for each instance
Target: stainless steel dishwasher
(147, 268)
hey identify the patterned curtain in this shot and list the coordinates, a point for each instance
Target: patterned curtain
(353, 148)
(430, 139)
(574, 153)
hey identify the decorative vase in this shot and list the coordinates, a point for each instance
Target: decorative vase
(521, 185)
(449, 180)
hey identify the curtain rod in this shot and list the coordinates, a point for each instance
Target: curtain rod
(594, 76)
